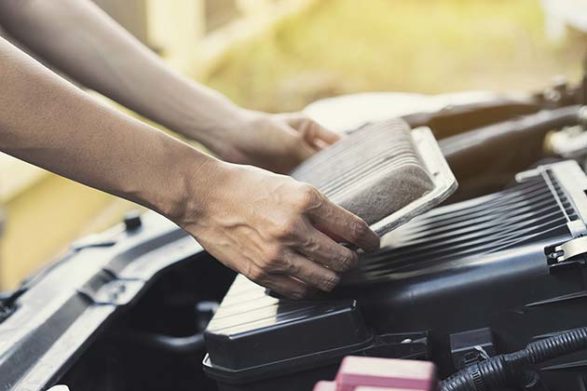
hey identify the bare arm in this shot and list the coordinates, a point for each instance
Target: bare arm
(85, 43)
(50, 123)
(256, 222)
(80, 39)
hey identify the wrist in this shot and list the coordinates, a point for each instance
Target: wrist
(178, 191)
(222, 131)
(208, 117)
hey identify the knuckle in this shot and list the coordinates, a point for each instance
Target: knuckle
(286, 230)
(311, 245)
(308, 197)
(256, 274)
(292, 268)
(347, 261)
(273, 256)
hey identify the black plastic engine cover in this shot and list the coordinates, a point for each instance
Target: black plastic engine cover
(473, 273)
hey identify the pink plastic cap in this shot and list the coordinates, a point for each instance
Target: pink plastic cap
(325, 386)
(382, 389)
(385, 373)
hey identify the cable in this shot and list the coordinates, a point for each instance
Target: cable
(506, 369)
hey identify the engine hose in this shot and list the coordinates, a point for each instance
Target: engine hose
(506, 369)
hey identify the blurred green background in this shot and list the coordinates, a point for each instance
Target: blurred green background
(306, 50)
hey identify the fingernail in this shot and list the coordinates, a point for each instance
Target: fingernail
(331, 283)
(376, 244)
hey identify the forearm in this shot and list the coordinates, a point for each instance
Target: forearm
(269, 227)
(50, 123)
(91, 48)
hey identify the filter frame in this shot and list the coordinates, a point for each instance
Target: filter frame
(445, 183)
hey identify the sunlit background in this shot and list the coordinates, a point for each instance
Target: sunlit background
(279, 55)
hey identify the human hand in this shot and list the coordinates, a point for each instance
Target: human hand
(277, 142)
(274, 230)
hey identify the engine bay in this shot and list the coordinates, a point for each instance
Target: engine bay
(498, 265)
(461, 282)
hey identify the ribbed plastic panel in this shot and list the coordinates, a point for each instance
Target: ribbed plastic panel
(249, 319)
(531, 211)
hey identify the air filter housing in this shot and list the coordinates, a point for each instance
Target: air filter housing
(481, 277)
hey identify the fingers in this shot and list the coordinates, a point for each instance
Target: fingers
(312, 132)
(310, 272)
(285, 239)
(301, 251)
(316, 135)
(338, 222)
(286, 260)
(288, 287)
(290, 263)
(293, 276)
(323, 250)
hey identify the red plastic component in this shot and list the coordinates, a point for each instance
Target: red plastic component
(331, 386)
(381, 389)
(385, 373)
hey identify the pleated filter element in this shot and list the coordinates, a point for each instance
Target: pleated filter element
(384, 172)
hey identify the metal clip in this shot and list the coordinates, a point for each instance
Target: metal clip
(571, 252)
(570, 249)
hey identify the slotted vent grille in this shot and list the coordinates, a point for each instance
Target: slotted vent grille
(531, 211)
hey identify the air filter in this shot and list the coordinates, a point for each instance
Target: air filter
(384, 172)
